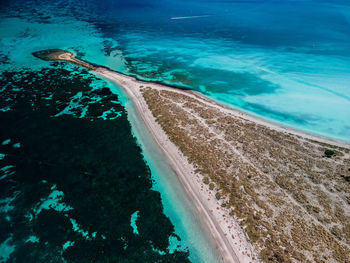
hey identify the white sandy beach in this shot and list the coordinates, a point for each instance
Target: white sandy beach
(230, 238)
(228, 235)
(232, 242)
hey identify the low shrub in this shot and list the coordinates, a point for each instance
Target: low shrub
(329, 153)
(206, 180)
(211, 186)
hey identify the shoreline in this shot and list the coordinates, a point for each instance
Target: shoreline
(62, 55)
(271, 124)
(231, 240)
(177, 203)
(176, 160)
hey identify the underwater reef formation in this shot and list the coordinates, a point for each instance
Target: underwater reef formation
(285, 190)
(74, 186)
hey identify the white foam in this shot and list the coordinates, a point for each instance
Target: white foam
(188, 17)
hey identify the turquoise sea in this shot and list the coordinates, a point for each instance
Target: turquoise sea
(284, 61)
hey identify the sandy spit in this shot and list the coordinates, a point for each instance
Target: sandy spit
(229, 237)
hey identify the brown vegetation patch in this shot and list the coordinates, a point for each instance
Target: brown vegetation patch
(292, 201)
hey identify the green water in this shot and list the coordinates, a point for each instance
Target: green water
(188, 224)
(72, 175)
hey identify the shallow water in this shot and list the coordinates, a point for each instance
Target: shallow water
(64, 109)
(286, 61)
(72, 175)
(180, 209)
(282, 61)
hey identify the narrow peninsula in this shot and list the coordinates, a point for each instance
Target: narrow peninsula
(267, 193)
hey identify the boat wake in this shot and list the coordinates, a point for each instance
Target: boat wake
(188, 17)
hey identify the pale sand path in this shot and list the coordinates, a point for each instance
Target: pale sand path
(229, 236)
(206, 208)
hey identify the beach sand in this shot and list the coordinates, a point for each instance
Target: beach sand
(222, 231)
(282, 200)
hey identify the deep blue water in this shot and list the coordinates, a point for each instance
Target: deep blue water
(285, 61)
(75, 186)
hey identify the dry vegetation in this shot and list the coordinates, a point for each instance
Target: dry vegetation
(292, 201)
